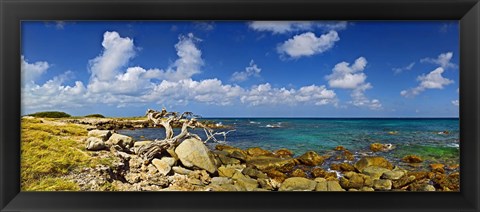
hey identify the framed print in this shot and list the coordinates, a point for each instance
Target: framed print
(305, 105)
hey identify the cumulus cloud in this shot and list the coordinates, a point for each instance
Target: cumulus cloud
(308, 44)
(402, 69)
(443, 60)
(346, 76)
(264, 94)
(251, 70)
(280, 27)
(433, 80)
(53, 93)
(31, 71)
(114, 84)
(117, 51)
(456, 102)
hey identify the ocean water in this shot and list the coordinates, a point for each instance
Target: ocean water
(421, 137)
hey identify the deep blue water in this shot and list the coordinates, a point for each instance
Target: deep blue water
(415, 136)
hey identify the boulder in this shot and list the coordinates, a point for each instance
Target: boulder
(254, 173)
(221, 180)
(334, 186)
(374, 171)
(437, 167)
(284, 153)
(318, 172)
(120, 140)
(311, 158)
(225, 160)
(339, 148)
(412, 159)
(102, 134)
(193, 153)
(298, 173)
(376, 147)
(257, 151)
(355, 181)
(264, 163)
(265, 183)
(226, 171)
(181, 170)
(393, 175)
(381, 184)
(246, 183)
(276, 175)
(321, 185)
(403, 181)
(141, 143)
(95, 144)
(162, 166)
(373, 161)
(298, 184)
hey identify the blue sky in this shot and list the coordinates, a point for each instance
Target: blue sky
(242, 69)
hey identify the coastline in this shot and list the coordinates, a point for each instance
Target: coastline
(235, 169)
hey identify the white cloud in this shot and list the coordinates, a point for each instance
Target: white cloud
(251, 70)
(204, 25)
(455, 102)
(433, 80)
(443, 60)
(402, 69)
(60, 24)
(346, 76)
(264, 94)
(280, 27)
(308, 44)
(116, 54)
(189, 62)
(53, 93)
(31, 71)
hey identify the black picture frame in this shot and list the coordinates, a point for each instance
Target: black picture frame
(14, 11)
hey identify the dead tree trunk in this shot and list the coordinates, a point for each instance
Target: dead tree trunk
(167, 119)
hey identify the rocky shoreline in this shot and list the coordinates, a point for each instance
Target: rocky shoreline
(192, 166)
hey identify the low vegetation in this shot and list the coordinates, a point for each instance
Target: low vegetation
(50, 151)
(96, 115)
(50, 114)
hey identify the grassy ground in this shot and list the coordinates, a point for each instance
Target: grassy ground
(50, 150)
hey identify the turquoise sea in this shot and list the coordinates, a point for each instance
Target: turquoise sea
(420, 136)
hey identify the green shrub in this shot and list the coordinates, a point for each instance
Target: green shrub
(50, 114)
(96, 115)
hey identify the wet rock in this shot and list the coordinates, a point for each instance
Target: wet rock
(298, 173)
(318, 172)
(374, 171)
(419, 175)
(373, 161)
(257, 151)
(284, 153)
(381, 184)
(193, 153)
(254, 173)
(225, 160)
(450, 182)
(403, 181)
(120, 140)
(412, 159)
(95, 144)
(264, 163)
(311, 158)
(393, 175)
(102, 134)
(376, 147)
(339, 148)
(298, 184)
(276, 175)
(181, 170)
(356, 181)
(437, 167)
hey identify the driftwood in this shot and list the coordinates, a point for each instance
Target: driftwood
(167, 120)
